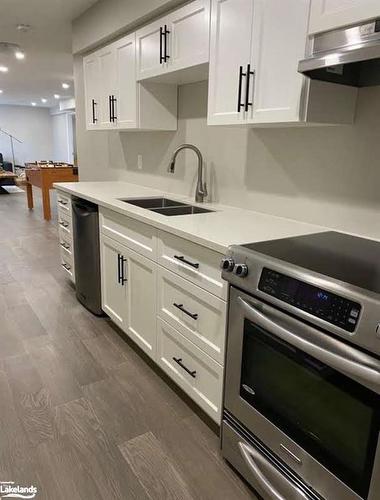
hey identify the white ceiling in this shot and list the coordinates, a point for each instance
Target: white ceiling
(47, 46)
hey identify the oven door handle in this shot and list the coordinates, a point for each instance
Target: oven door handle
(329, 350)
(258, 466)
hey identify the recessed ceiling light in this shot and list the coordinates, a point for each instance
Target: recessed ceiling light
(1, 91)
(43, 100)
(19, 55)
(34, 104)
(65, 86)
(3, 69)
(57, 96)
(23, 27)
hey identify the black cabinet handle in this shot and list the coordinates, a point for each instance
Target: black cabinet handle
(66, 266)
(248, 74)
(162, 59)
(64, 224)
(182, 259)
(61, 202)
(110, 108)
(118, 268)
(181, 308)
(94, 119)
(166, 33)
(193, 373)
(123, 279)
(241, 74)
(113, 113)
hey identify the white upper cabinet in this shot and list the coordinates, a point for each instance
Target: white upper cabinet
(255, 49)
(327, 15)
(107, 84)
(178, 41)
(125, 103)
(91, 81)
(114, 100)
(230, 53)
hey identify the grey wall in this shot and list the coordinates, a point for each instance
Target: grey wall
(325, 175)
(108, 18)
(33, 127)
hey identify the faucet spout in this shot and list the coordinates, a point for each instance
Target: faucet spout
(201, 188)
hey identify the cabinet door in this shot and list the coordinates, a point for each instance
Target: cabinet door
(141, 297)
(278, 43)
(326, 15)
(188, 37)
(107, 71)
(150, 49)
(126, 99)
(91, 90)
(114, 290)
(230, 48)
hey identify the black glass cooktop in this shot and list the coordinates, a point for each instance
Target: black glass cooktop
(350, 259)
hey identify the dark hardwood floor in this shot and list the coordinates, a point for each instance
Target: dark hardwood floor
(82, 414)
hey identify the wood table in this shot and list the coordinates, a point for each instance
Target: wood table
(44, 178)
(6, 177)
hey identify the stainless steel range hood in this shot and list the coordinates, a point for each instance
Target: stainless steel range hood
(349, 56)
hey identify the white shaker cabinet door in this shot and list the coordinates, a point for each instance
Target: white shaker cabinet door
(188, 37)
(141, 275)
(275, 87)
(326, 15)
(230, 50)
(91, 74)
(150, 50)
(114, 288)
(126, 99)
(107, 70)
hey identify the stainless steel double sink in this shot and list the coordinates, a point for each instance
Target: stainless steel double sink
(166, 206)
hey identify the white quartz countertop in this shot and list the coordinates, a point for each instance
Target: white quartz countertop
(216, 230)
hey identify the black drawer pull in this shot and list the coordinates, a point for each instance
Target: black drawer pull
(63, 202)
(123, 278)
(181, 308)
(65, 246)
(193, 373)
(182, 259)
(118, 268)
(94, 119)
(66, 266)
(64, 224)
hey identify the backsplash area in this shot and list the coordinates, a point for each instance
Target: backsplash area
(323, 175)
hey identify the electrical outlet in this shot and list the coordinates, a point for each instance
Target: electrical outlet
(139, 162)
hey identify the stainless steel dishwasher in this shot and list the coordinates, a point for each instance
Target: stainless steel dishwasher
(87, 254)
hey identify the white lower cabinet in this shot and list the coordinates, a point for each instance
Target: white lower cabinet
(175, 312)
(128, 292)
(114, 289)
(141, 274)
(193, 370)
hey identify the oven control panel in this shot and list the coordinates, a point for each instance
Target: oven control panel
(325, 305)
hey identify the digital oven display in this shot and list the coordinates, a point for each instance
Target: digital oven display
(328, 306)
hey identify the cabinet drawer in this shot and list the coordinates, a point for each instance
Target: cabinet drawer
(64, 222)
(196, 313)
(64, 202)
(194, 371)
(136, 235)
(65, 243)
(68, 266)
(198, 264)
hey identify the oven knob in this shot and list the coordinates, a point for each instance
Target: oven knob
(241, 270)
(227, 264)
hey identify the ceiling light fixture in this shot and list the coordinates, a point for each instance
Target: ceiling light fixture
(1, 91)
(19, 55)
(65, 86)
(34, 104)
(43, 100)
(3, 69)
(57, 96)
(23, 27)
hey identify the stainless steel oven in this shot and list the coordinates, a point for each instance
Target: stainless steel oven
(301, 405)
